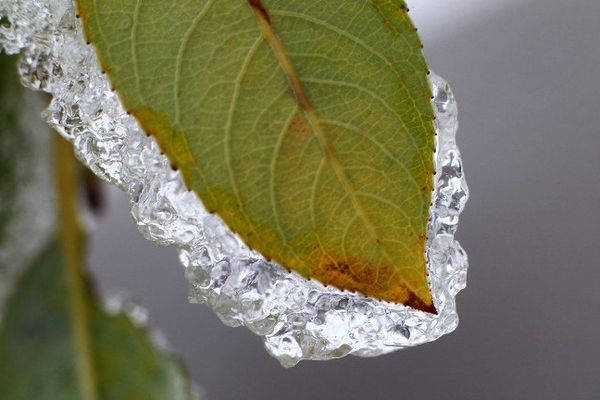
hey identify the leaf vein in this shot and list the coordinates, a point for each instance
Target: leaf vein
(229, 125)
(181, 52)
(358, 41)
(272, 165)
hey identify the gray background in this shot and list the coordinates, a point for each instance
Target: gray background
(527, 77)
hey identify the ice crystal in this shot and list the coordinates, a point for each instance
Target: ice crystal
(298, 319)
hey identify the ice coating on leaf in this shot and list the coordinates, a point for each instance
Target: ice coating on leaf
(311, 137)
(298, 319)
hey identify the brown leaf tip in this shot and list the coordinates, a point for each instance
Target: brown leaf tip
(367, 279)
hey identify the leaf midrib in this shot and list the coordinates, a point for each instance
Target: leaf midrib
(360, 43)
(281, 54)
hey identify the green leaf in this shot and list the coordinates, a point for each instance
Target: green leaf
(306, 125)
(40, 353)
(13, 146)
(56, 341)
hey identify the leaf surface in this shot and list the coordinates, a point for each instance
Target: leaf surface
(56, 340)
(306, 125)
(39, 352)
(13, 144)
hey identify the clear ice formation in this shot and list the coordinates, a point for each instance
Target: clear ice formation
(298, 319)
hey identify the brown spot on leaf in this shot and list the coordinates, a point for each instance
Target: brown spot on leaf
(415, 302)
(377, 281)
(300, 127)
(80, 13)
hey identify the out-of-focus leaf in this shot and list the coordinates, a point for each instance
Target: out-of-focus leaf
(306, 125)
(56, 340)
(13, 148)
(39, 351)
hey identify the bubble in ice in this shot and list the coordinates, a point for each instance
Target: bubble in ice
(298, 319)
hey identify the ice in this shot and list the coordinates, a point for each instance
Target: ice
(298, 319)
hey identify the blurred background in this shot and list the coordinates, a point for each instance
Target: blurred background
(527, 78)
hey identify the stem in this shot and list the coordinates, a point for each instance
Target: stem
(71, 241)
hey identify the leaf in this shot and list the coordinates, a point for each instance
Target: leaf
(12, 141)
(306, 125)
(39, 351)
(56, 341)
